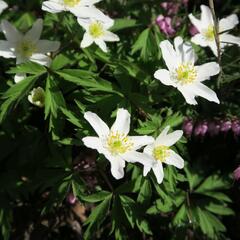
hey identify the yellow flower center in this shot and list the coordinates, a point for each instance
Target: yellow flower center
(71, 3)
(26, 48)
(209, 33)
(186, 73)
(118, 143)
(161, 152)
(96, 29)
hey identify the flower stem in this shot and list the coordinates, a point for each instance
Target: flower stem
(217, 39)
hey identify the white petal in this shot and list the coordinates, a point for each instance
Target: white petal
(6, 49)
(228, 23)
(117, 166)
(85, 23)
(10, 32)
(140, 141)
(35, 32)
(175, 160)
(88, 12)
(169, 139)
(101, 44)
(158, 171)
(205, 71)
(87, 40)
(3, 6)
(94, 143)
(41, 59)
(149, 149)
(19, 77)
(164, 76)
(169, 54)
(213, 47)
(110, 37)
(206, 16)
(196, 22)
(146, 170)
(53, 7)
(229, 39)
(97, 124)
(134, 156)
(201, 90)
(46, 46)
(199, 39)
(188, 95)
(122, 122)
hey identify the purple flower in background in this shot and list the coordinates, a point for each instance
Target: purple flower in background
(71, 199)
(236, 173)
(165, 25)
(187, 127)
(170, 7)
(193, 30)
(213, 128)
(201, 129)
(225, 126)
(236, 127)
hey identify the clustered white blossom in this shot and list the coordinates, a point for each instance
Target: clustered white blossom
(182, 73)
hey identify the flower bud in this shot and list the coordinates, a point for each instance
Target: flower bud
(225, 126)
(188, 127)
(165, 25)
(201, 129)
(71, 199)
(37, 97)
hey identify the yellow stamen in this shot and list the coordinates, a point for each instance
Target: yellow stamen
(26, 48)
(96, 29)
(209, 33)
(118, 143)
(71, 3)
(161, 152)
(186, 73)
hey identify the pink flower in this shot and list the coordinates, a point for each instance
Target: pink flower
(236, 173)
(165, 25)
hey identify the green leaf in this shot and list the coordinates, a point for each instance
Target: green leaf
(128, 205)
(219, 209)
(123, 23)
(54, 99)
(87, 80)
(146, 44)
(96, 197)
(15, 94)
(145, 193)
(59, 62)
(97, 217)
(29, 68)
(71, 117)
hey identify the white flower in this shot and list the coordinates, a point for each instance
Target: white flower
(205, 26)
(3, 6)
(161, 152)
(97, 31)
(80, 8)
(115, 144)
(25, 47)
(37, 97)
(183, 74)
